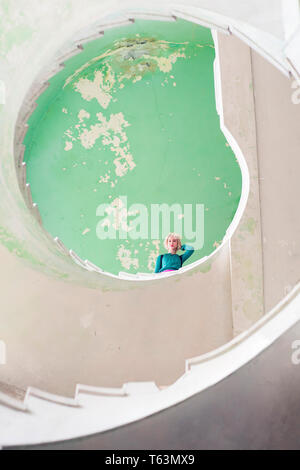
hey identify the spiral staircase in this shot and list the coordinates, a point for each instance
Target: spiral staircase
(83, 351)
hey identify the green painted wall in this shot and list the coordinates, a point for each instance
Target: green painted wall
(132, 115)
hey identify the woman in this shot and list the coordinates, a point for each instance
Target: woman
(171, 261)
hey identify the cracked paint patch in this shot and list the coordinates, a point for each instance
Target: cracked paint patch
(112, 134)
(119, 132)
(129, 58)
(126, 259)
(68, 146)
(153, 255)
(99, 88)
(83, 114)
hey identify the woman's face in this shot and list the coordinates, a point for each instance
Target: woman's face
(172, 244)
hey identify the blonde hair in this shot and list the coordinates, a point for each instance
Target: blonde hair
(176, 236)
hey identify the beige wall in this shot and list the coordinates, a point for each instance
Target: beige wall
(261, 115)
(278, 135)
(58, 334)
(246, 245)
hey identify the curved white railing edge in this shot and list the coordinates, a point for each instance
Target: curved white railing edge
(11, 402)
(291, 51)
(272, 50)
(98, 409)
(264, 320)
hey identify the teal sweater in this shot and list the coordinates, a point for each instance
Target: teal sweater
(169, 261)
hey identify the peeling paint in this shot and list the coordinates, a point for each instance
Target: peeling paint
(68, 145)
(120, 133)
(153, 255)
(124, 256)
(98, 88)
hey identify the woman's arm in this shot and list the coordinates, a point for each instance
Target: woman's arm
(189, 250)
(158, 263)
